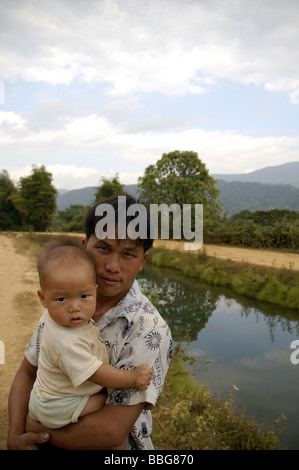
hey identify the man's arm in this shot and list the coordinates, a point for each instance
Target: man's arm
(18, 409)
(102, 430)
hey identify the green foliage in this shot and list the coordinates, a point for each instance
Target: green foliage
(277, 286)
(179, 178)
(36, 199)
(10, 218)
(31, 205)
(71, 219)
(108, 187)
(278, 229)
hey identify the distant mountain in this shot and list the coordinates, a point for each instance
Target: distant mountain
(237, 196)
(271, 187)
(83, 196)
(287, 173)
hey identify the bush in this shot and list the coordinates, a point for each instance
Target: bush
(276, 229)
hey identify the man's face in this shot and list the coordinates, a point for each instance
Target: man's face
(117, 264)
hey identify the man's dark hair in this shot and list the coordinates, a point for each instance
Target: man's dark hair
(92, 219)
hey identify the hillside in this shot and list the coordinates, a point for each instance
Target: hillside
(287, 173)
(83, 196)
(272, 187)
(235, 196)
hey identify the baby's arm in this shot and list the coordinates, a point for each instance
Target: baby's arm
(111, 377)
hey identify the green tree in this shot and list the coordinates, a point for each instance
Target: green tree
(10, 218)
(108, 187)
(71, 219)
(36, 199)
(180, 177)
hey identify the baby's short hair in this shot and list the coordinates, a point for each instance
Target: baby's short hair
(66, 252)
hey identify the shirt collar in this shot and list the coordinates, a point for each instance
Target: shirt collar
(126, 307)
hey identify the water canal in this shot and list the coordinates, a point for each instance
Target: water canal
(247, 342)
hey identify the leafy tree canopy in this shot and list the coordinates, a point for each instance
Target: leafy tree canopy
(9, 216)
(267, 218)
(36, 199)
(71, 219)
(180, 177)
(108, 187)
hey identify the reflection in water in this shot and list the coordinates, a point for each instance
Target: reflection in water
(183, 310)
(186, 304)
(288, 323)
(247, 341)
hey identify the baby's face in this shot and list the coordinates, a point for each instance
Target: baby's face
(70, 295)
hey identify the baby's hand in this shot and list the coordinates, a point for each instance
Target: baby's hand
(143, 376)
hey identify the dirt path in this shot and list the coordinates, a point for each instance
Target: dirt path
(19, 313)
(249, 255)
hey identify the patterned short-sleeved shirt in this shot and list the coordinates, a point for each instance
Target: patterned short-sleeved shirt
(134, 333)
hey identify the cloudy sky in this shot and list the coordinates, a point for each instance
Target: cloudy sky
(98, 87)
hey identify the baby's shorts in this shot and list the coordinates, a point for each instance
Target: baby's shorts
(58, 412)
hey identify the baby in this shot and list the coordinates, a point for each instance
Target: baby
(73, 362)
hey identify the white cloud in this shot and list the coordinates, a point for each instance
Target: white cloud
(129, 47)
(73, 177)
(73, 171)
(12, 120)
(16, 173)
(89, 129)
(222, 151)
(126, 177)
(64, 176)
(154, 46)
(295, 94)
(2, 92)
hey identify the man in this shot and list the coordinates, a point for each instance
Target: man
(132, 329)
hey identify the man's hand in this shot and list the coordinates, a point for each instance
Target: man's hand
(27, 441)
(19, 395)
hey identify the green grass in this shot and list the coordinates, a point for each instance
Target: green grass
(277, 286)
